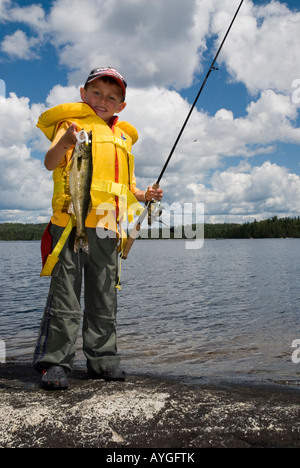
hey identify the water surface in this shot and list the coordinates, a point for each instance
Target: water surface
(226, 312)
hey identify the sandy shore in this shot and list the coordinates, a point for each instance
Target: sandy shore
(143, 412)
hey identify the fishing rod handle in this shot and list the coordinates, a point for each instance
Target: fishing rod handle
(133, 235)
(130, 242)
(136, 230)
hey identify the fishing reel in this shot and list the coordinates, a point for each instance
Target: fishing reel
(155, 210)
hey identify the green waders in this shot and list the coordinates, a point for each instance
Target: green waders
(60, 325)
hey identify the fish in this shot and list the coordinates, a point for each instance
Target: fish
(80, 180)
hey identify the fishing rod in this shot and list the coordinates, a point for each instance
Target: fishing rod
(147, 211)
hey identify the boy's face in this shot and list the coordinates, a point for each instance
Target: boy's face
(105, 98)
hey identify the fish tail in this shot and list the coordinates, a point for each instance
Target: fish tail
(81, 243)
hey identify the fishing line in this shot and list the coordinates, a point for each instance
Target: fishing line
(212, 68)
(141, 218)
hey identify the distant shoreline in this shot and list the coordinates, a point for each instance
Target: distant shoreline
(273, 228)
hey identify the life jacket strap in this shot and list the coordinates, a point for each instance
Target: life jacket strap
(117, 141)
(53, 258)
(121, 191)
(112, 188)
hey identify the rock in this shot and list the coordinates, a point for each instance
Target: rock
(143, 412)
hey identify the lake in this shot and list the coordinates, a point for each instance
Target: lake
(228, 312)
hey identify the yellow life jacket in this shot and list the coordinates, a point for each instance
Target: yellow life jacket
(113, 181)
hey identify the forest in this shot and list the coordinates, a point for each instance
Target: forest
(270, 228)
(24, 232)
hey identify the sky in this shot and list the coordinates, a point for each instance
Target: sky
(239, 154)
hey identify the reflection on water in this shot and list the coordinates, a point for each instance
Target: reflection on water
(229, 311)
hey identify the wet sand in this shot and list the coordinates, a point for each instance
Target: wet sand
(144, 412)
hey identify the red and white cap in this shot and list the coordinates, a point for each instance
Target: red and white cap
(108, 71)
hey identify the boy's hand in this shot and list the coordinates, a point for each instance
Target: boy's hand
(70, 135)
(154, 194)
(55, 154)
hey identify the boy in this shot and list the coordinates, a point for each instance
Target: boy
(103, 96)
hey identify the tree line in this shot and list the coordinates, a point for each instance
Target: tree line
(21, 232)
(269, 228)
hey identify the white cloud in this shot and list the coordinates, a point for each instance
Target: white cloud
(263, 47)
(4, 10)
(208, 139)
(17, 120)
(25, 185)
(18, 45)
(32, 15)
(196, 172)
(139, 38)
(162, 43)
(61, 94)
(158, 44)
(247, 192)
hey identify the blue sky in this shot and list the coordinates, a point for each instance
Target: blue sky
(240, 152)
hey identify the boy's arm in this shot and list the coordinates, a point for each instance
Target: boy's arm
(57, 152)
